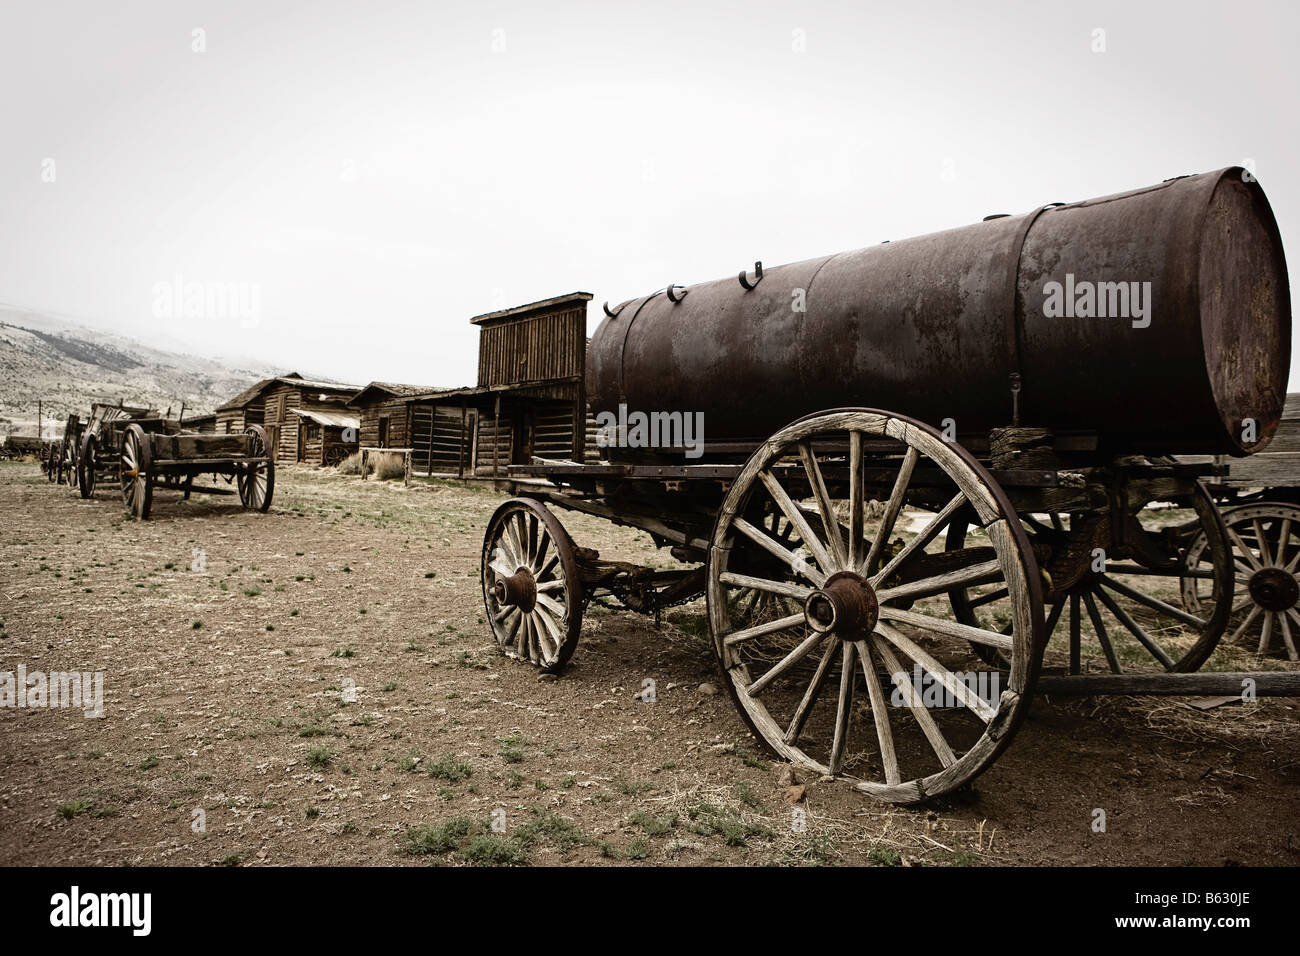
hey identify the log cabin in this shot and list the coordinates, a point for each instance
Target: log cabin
(306, 422)
(384, 413)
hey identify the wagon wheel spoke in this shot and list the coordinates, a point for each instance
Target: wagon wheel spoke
(1135, 629)
(1244, 552)
(879, 713)
(799, 592)
(1266, 632)
(1154, 603)
(787, 557)
(1287, 639)
(1099, 629)
(982, 573)
(844, 708)
(810, 540)
(515, 617)
(543, 543)
(1283, 540)
(1245, 624)
(1261, 539)
(550, 605)
(795, 656)
(927, 534)
(813, 690)
(938, 671)
(824, 507)
(894, 506)
(764, 629)
(549, 630)
(989, 597)
(938, 743)
(940, 625)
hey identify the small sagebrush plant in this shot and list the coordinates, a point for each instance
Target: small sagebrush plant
(389, 467)
(351, 465)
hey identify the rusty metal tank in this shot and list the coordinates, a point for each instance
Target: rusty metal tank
(944, 325)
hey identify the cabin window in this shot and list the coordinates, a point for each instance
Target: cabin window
(313, 431)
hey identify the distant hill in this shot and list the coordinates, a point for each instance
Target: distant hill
(67, 366)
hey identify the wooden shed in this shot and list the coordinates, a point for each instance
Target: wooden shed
(530, 398)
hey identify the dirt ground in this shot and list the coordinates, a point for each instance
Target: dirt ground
(317, 685)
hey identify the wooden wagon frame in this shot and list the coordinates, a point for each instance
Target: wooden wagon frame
(793, 543)
(142, 451)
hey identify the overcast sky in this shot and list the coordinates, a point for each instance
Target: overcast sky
(377, 172)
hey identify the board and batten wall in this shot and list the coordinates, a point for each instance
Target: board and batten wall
(533, 348)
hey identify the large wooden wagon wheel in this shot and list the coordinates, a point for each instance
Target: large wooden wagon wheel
(868, 494)
(532, 590)
(1265, 546)
(137, 472)
(87, 462)
(256, 479)
(1112, 584)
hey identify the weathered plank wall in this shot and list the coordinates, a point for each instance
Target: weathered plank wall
(533, 348)
(282, 425)
(1279, 465)
(396, 411)
(233, 421)
(495, 445)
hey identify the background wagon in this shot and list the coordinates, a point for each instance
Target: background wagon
(101, 436)
(1009, 481)
(1260, 500)
(143, 451)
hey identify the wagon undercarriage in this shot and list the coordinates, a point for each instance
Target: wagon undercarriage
(140, 452)
(882, 604)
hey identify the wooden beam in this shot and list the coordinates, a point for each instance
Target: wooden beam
(1204, 684)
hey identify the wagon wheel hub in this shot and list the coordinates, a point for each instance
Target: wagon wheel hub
(845, 604)
(1274, 589)
(519, 589)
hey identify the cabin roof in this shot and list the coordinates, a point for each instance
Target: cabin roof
(395, 389)
(293, 378)
(542, 305)
(328, 419)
